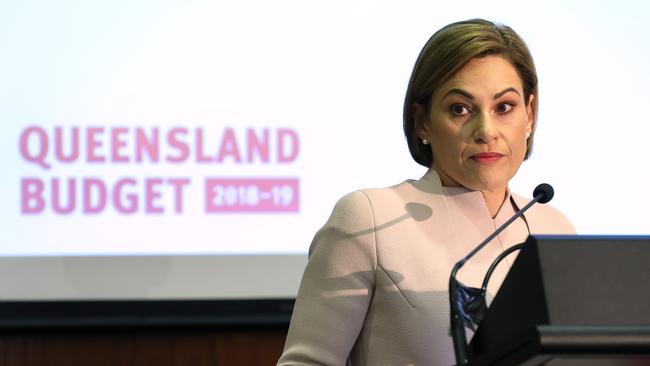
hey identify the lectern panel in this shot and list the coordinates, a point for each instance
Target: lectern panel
(571, 300)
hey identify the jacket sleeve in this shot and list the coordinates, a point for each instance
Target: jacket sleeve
(336, 287)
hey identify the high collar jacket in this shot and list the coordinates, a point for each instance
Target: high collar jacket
(374, 291)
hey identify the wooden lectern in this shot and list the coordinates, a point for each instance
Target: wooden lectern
(571, 300)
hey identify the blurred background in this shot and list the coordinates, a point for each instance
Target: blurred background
(213, 138)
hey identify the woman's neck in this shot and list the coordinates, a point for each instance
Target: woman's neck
(494, 200)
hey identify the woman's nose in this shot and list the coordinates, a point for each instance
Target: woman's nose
(485, 129)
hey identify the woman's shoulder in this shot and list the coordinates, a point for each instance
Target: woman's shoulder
(544, 218)
(370, 199)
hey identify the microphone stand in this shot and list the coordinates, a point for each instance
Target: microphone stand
(543, 193)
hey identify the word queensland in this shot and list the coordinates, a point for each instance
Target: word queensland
(138, 145)
(150, 191)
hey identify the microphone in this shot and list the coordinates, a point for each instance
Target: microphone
(459, 294)
(545, 193)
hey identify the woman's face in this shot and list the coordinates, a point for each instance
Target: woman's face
(478, 125)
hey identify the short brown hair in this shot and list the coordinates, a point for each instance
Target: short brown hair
(446, 52)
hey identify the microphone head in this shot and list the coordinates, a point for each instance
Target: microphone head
(544, 191)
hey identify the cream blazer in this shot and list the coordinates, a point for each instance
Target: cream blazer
(374, 291)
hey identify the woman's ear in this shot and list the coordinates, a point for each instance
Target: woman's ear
(530, 111)
(420, 121)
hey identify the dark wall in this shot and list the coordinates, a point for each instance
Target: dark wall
(162, 347)
(115, 333)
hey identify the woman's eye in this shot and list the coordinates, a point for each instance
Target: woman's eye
(504, 108)
(459, 109)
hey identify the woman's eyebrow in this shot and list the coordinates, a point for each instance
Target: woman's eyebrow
(469, 96)
(504, 91)
(460, 92)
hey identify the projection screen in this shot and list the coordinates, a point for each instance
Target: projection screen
(190, 150)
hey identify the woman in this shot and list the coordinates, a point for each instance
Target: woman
(375, 288)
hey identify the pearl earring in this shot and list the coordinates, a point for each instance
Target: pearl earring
(425, 141)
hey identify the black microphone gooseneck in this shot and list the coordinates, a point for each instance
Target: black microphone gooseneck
(542, 194)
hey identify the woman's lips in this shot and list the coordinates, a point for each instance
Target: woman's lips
(486, 157)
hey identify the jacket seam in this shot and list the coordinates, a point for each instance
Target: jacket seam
(398, 288)
(374, 232)
(377, 265)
